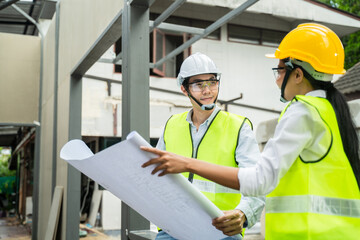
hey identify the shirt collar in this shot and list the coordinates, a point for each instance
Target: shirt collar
(207, 121)
(317, 93)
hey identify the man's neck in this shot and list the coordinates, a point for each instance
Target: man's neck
(199, 116)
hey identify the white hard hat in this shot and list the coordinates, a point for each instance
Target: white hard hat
(196, 64)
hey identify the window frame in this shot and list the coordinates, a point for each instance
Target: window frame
(259, 41)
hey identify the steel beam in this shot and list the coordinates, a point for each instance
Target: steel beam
(226, 18)
(167, 13)
(55, 113)
(158, 20)
(73, 190)
(7, 3)
(135, 91)
(179, 28)
(111, 34)
(36, 181)
(163, 26)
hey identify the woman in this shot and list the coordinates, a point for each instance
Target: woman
(310, 169)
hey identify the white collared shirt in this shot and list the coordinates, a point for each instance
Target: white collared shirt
(298, 132)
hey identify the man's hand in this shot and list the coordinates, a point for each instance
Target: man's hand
(231, 223)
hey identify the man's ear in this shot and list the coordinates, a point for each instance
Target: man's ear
(183, 90)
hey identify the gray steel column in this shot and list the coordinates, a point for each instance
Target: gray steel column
(135, 91)
(35, 214)
(56, 82)
(73, 177)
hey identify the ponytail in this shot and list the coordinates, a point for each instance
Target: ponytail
(347, 129)
(346, 125)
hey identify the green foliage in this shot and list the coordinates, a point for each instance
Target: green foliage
(4, 170)
(351, 42)
(7, 180)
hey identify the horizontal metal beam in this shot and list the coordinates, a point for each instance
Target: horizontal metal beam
(143, 3)
(167, 13)
(21, 124)
(226, 18)
(111, 34)
(179, 28)
(5, 4)
(168, 27)
(13, 23)
(8, 132)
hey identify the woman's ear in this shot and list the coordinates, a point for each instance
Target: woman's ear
(299, 75)
(183, 90)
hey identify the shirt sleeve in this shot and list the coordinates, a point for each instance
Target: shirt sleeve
(297, 130)
(247, 154)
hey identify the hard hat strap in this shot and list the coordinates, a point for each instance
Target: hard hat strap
(202, 106)
(289, 69)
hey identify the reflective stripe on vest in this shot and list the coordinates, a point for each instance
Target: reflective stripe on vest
(314, 204)
(217, 146)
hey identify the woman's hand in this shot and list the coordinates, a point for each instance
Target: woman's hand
(167, 162)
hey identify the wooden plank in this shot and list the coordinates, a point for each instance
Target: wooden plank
(95, 204)
(54, 213)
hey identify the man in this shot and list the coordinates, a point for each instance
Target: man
(207, 133)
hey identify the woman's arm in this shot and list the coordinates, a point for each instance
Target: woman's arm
(171, 163)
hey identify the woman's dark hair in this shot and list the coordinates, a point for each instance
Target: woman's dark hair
(347, 128)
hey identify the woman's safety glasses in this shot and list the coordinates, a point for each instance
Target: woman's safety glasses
(277, 71)
(200, 85)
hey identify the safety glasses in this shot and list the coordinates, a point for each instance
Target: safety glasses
(277, 71)
(200, 85)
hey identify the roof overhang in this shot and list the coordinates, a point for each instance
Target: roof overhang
(283, 15)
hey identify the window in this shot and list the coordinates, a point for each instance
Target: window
(243, 34)
(162, 44)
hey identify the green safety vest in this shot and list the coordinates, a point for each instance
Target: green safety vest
(316, 199)
(217, 146)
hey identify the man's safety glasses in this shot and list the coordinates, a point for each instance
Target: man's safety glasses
(200, 85)
(277, 71)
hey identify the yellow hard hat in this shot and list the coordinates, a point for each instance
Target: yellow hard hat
(315, 44)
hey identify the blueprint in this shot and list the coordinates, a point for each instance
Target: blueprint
(170, 202)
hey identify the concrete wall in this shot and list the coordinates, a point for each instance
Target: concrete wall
(19, 78)
(81, 22)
